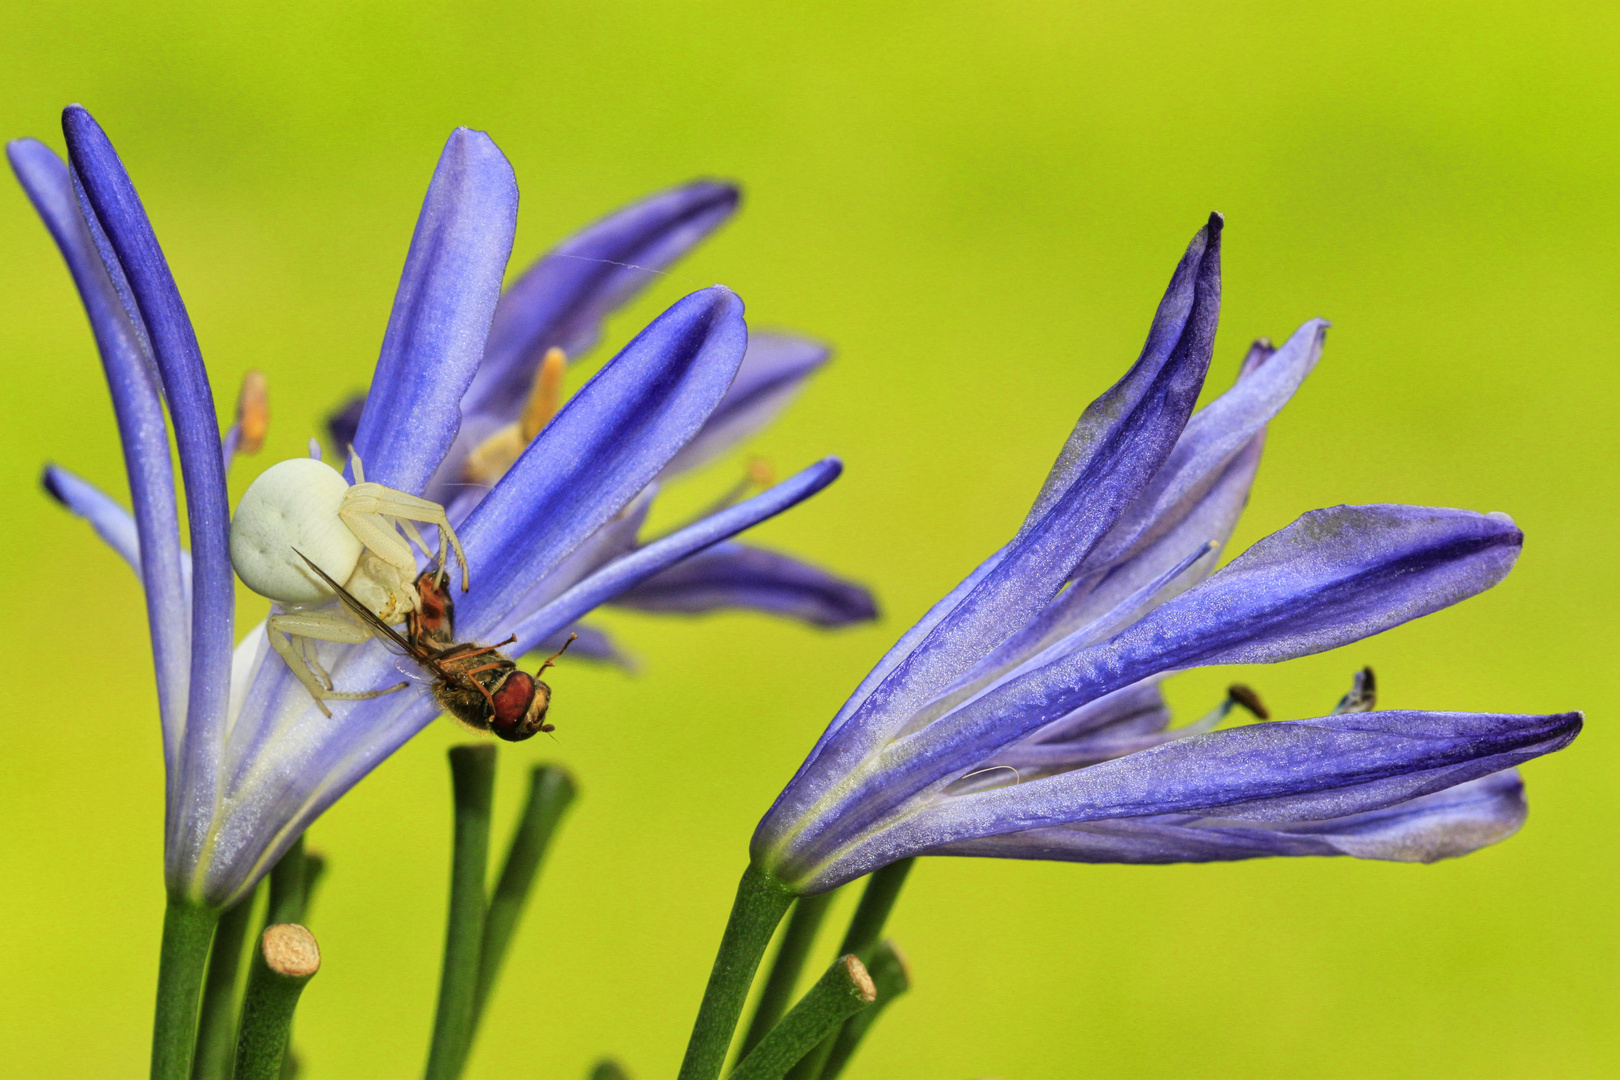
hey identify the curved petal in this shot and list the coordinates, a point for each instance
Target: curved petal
(1442, 825)
(773, 372)
(735, 576)
(562, 299)
(643, 563)
(191, 405)
(607, 444)
(1298, 770)
(138, 408)
(442, 312)
(112, 522)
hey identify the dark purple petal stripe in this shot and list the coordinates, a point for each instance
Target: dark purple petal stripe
(562, 299)
(138, 408)
(442, 311)
(739, 577)
(1119, 443)
(643, 563)
(196, 427)
(600, 451)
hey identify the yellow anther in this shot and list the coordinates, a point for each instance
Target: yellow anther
(252, 413)
(760, 472)
(546, 396)
(491, 458)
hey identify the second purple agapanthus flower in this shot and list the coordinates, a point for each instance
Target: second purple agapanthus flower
(1022, 716)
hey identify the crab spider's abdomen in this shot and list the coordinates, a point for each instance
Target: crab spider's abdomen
(293, 508)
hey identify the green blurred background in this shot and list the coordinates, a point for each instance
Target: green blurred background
(979, 204)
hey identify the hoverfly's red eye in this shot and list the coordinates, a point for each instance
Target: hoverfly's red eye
(512, 705)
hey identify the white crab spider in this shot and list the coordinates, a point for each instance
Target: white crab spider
(303, 507)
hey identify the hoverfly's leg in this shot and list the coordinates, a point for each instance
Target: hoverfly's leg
(368, 503)
(551, 661)
(310, 626)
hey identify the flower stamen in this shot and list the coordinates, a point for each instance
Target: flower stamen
(491, 458)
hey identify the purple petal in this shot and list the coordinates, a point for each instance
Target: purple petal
(643, 563)
(1118, 444)
(562, 299)
(112, 522)
(191, 405)
(773, 372)
(1285, 771)
(1442, 825)
(1332, 577)
(138, 407)
(1214, 437)
(442, 313)
(604, 447)
(735, 576)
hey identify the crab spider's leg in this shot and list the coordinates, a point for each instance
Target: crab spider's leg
(376, 532)
(320, 626)
(376, 499)
(411, 533)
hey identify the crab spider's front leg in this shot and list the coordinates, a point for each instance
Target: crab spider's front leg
(319, 626)
(365, 510)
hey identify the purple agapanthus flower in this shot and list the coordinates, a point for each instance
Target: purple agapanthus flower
(251, 760)
(1021, 717)
(559, 303)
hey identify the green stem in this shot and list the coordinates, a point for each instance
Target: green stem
(889, 976)
(551, 790)
(216, 1027)
(472, 771)
(288, 891)
(842, 992)
(760, 904)
(882, 890)
(188, 930)
(286, 959)
(314, 871)
(808, 911)
(608, 1069)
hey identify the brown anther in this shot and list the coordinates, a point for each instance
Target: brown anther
(1246, 697)
(252, 413)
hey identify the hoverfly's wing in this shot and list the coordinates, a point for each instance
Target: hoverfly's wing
(385, 633)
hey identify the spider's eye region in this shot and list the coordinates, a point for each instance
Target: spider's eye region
(293, 507)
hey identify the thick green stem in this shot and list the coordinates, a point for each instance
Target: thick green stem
(842, 992)
(188, 931)
(808, 911)
(551, 790)
(286, 959)
(882, 890)
(889, 976)
(216, 1026)
(472, 770)
(760, 904)
(608, 1069)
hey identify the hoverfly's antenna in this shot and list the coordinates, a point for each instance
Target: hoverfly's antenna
(552, 660)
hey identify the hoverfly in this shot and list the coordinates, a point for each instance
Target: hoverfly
(476, 684)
